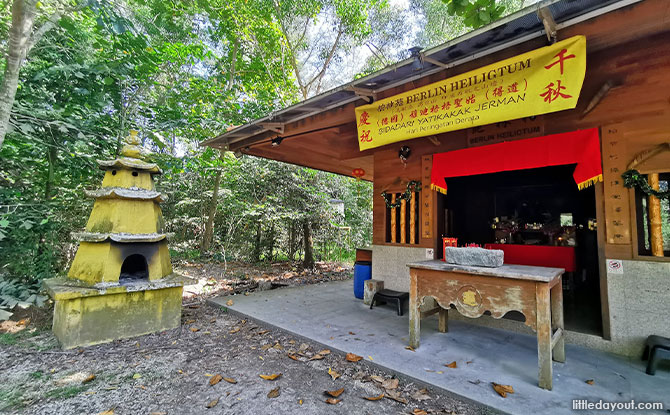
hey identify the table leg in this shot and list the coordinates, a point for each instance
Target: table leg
(557, 321)
(543, 328)
(414, 312)
(443, 320)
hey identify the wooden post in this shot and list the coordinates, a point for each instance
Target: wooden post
(558, 351)
(443, 320)
(655, 221)
(403, 221)
(414, 312)
(393, 220)
(412, 219)
(543, 328)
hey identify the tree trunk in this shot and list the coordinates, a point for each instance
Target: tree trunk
(23, 15)
(291, 241)
(308, 262)
(209, 225)
(271, 244)
(52, 154)
(257, 245)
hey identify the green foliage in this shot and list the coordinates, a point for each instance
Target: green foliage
(17, 293)
(261, 208)
(36, 375)
(181, 72)
(476, 13)
(65, 392)
(8, 339)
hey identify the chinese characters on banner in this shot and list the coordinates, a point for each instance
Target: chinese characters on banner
(538, 82)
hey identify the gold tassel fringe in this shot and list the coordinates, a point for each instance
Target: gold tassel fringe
(438, 188)
(593, 180)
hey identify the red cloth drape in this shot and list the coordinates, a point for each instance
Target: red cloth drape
(538, 255)
(577, 147)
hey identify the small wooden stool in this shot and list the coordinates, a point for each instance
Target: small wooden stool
(382, 296)
(657, 348)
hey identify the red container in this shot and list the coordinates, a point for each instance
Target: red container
(448, 242)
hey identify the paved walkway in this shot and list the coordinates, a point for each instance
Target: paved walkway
(327, 313)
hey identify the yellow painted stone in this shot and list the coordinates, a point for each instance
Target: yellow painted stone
(85, 321)
(97, 262)
(91, 306)
(124, 178)
(125, 216)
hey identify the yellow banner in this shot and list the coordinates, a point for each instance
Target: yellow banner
(538, 82)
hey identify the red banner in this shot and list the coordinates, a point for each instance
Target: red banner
(578, 147)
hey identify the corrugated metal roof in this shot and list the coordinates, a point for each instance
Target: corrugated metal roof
(514, 29)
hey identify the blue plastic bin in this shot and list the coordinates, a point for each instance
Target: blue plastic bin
(362, 272)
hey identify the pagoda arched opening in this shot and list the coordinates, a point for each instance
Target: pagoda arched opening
(133, 269)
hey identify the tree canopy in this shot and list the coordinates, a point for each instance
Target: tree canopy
(78, 74)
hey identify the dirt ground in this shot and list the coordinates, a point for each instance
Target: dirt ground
(214, 359)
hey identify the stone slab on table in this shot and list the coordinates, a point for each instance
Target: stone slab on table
(519, 272)
(471, 256)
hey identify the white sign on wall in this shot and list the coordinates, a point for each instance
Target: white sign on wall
(614, 266)
(430, 253)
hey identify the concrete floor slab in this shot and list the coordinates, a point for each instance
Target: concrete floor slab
(328, 313)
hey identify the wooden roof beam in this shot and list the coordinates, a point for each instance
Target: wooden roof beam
(277, 127)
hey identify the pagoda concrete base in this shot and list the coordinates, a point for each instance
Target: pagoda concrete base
(85, 315)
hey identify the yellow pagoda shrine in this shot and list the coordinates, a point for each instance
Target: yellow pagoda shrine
(121, 282)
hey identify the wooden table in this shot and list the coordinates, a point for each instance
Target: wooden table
(536, 292)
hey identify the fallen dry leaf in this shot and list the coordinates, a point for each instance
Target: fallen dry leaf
(502, 390)
(260, 333)
(374, 398)
(213, 403)
(418, 411)
(23, 322)
(234, 330)
(157, 413)
(333, 374)
(421, 395)
(194, 329)
(274, 392)
(189, 322)
(215, 379)
(377, 378)
(468, 362)
(452, 365)
(410, 348)
(317, 357)
(335, 393)
(353, 357)
(89, 378)
(395, 396)
(230, 380)
(324, 352)
(108, 412)
(299, 401)
(229, 302)
(333, 401)
(590, 381)
(9, 326)
(390, 384)
(294, 357)
(271, 377)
